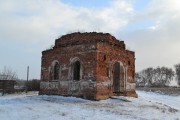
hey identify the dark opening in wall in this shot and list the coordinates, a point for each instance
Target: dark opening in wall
(56, 71)
(129, 63)
(116, 77)
(107, 71)
(104, 57)
(76, 70)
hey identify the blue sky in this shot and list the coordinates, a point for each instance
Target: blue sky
(149, 27)
(88, 3)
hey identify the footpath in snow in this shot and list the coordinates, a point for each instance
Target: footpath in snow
(148, 106)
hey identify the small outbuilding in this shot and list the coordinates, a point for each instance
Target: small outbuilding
(7, 86)
(89, 65)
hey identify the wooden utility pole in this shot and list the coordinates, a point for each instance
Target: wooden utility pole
(27, 79)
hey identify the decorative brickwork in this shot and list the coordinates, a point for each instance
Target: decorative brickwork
(89, 65)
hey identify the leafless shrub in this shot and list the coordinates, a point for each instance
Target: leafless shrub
(8, 74)
(177, 69)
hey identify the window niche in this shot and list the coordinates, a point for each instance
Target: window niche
(76, 70)
(56, 71)
(104, 58)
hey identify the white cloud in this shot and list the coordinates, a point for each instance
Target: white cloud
(36, 23)
(38, 18)
(157, 45)
(39, 22)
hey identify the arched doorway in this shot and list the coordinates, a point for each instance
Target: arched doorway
(118, 78)
(76, 70)
(116, 75)
(56, 71)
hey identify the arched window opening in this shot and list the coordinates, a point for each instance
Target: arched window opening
(76, 70)
(56, 71)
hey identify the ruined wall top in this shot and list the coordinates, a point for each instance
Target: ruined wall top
(78, 38)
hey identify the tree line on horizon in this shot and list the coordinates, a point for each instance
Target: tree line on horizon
(157, 77)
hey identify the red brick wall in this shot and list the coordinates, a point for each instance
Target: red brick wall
(107, 55)
(85, 53)
(97, 53)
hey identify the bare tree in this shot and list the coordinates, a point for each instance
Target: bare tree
(149, 73)
(177, 69)
(140, 81)
(8, 74)
(160, 76)
(145, 77)
(169, 75)
(163, 76)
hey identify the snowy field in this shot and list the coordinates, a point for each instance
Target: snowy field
(149, 105)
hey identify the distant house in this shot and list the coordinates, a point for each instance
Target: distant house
(89, 65)
(7, 86)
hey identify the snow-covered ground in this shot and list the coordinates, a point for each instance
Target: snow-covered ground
(33, 107)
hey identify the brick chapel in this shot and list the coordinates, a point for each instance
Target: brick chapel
(90, 65)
